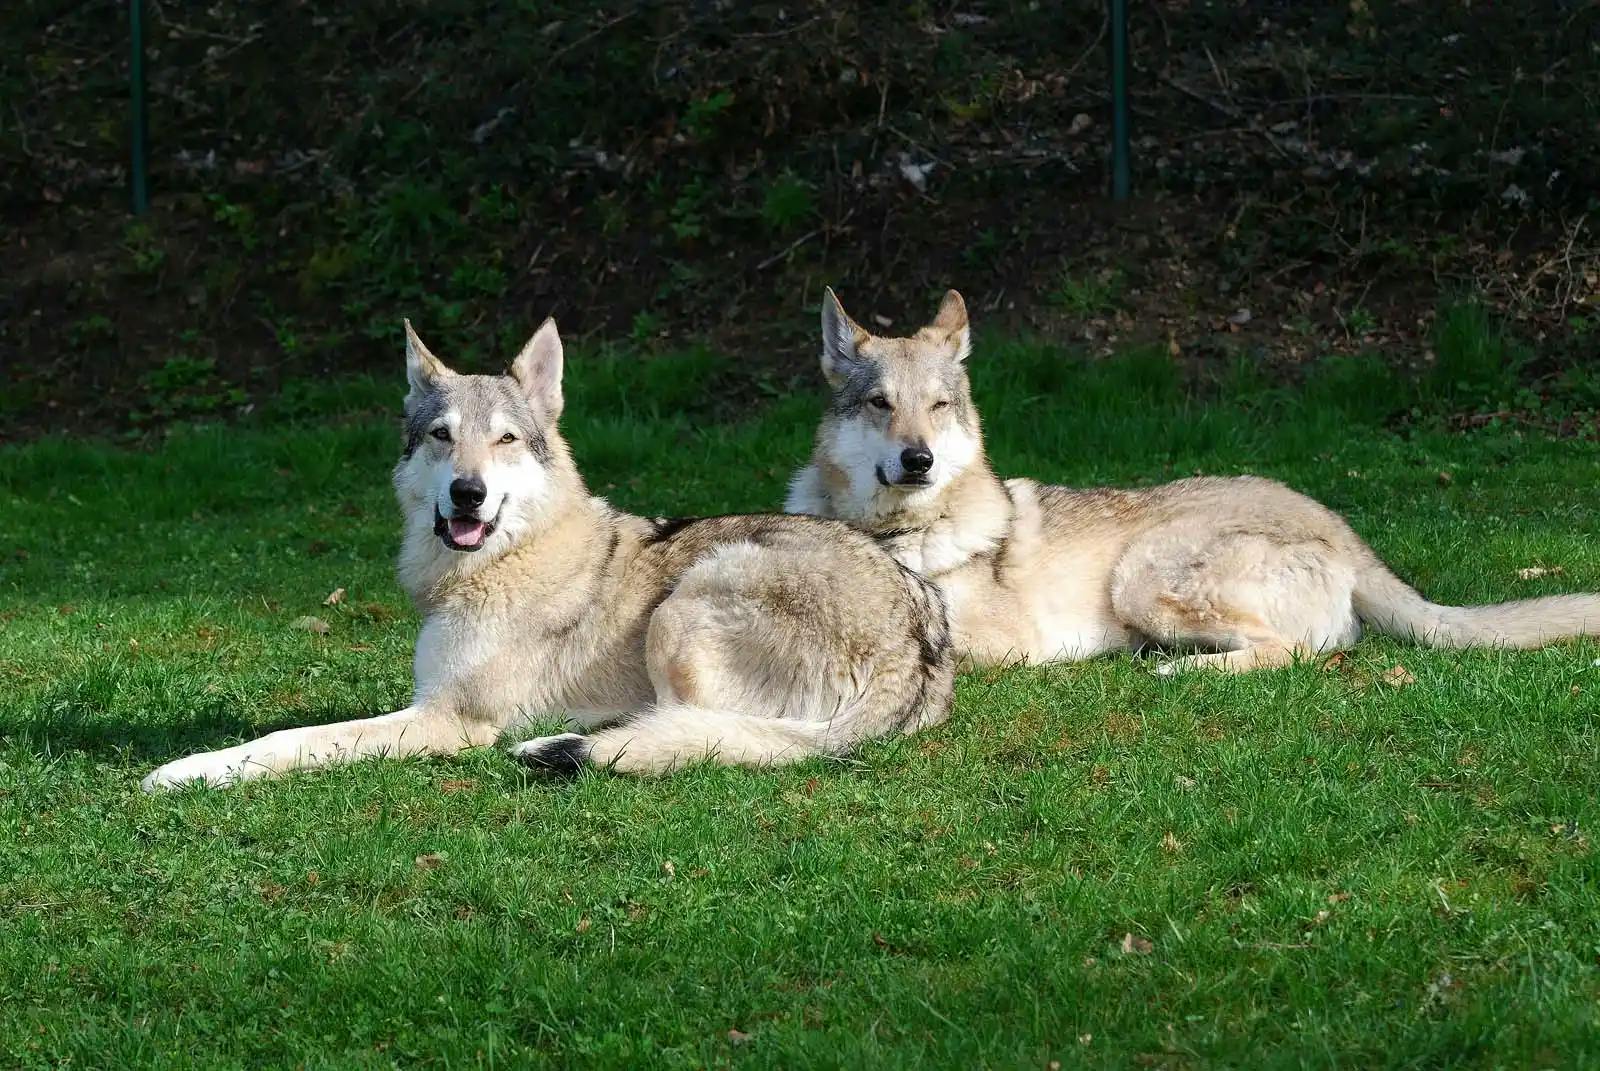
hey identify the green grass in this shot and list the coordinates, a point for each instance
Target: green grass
(1329, 871)
(1088, 295)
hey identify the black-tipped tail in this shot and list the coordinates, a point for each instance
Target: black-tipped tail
(556, 756)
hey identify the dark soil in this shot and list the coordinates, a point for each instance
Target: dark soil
(1312, 178)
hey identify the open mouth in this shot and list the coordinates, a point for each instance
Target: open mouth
(463, 533)
(907, 480)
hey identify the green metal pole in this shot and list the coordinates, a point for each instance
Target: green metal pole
(1121, 167)
(138, 164)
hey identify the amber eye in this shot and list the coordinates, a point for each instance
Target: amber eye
(880, 402)
(442, 434)
(508, 438)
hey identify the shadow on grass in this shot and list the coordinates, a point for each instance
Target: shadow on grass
(102, 736)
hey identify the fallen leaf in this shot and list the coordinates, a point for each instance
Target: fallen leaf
(1239, 317)
(811, 785)
(668, 869)
(737, 1036)
(311, 624)
(1334, 661)
(1534, 572)
(1136, 946)
(1182, 783)
(1446, 479)
(584, 924)
(1398, 676)
(1171, 844)
(313, 878)
(335, 597)
(887, 945)
(430, 860)
(917, 175)
(1338, 897)
(457, 786)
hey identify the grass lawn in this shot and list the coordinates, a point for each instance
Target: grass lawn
(1088, 864)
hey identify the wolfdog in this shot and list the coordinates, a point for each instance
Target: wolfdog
(1244, 571)
(752, 640)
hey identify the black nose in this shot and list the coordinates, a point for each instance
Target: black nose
(916, 460)
(468, 492)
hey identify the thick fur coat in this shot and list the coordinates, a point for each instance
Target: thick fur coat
(1243, 572)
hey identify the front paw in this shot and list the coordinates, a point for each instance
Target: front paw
(210, 769)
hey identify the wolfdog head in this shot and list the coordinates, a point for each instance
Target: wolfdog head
(483, 462)
(901, 423)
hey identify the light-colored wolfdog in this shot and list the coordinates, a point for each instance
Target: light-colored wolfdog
(756, 639)
(1244, 570)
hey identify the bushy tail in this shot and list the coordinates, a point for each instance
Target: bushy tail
(1386, 603)
(672, 735)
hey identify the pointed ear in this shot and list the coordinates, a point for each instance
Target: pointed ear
(841, 336)
(537, 369)
(951, 321)
(423, 369)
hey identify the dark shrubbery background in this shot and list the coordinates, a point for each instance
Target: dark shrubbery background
(1312, 178)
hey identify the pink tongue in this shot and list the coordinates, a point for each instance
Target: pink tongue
(465, 533)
